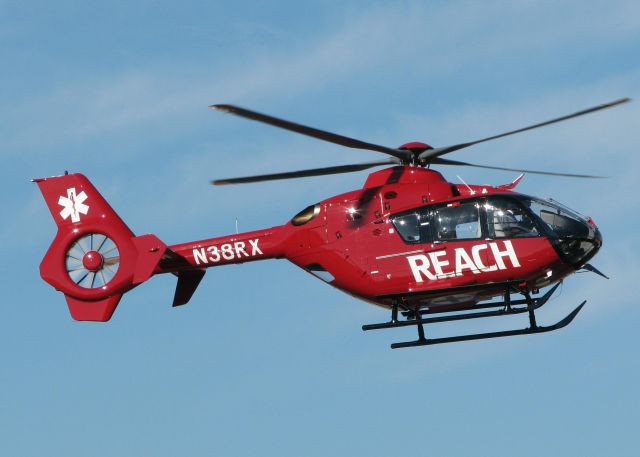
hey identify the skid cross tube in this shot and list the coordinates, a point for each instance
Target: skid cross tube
(508, 307)
(509, 288)
(531, 309)
(501, 304)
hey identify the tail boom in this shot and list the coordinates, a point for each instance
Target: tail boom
(232, 249)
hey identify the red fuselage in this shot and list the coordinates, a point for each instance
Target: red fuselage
(354, 242)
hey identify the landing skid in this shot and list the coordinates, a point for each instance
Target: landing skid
(506, 308)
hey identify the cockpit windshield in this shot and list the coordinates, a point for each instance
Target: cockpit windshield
(560, 219)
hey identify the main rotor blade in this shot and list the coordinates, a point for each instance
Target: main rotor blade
(439, 161)
(310, 131)
(305, 173)
(437, 152)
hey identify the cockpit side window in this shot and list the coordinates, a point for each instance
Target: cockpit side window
(507, 219)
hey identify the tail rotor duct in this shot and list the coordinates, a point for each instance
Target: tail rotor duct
(92, 260)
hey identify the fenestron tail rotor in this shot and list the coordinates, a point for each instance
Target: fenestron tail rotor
(405, 155)
(92, 260)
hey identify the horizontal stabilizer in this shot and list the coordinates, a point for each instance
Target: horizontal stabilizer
(188, 282)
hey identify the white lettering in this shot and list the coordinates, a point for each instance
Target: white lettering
(215, 254)
(463, 261)
(508, 252)
(227, 251)
(475, 253)
(239, 247)
(419, 269)
(438, 264)
(199, 256)
(433, 266)
(254, 247)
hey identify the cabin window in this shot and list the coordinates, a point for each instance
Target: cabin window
(507, 219)
(457, 221)
(491, 217)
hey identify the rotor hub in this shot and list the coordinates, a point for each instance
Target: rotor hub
(415, 146)
(93, 261)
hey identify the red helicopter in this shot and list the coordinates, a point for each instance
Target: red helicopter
(428, 250)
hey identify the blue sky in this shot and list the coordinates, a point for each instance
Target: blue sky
(266, 360)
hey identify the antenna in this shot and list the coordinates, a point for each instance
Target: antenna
(473, 192)
(237, 225)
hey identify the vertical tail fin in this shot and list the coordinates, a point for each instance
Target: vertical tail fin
(74, 201)
(95, 257)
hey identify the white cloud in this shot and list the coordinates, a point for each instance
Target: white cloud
(411, 38)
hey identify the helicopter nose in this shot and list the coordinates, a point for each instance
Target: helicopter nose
(578, 252)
